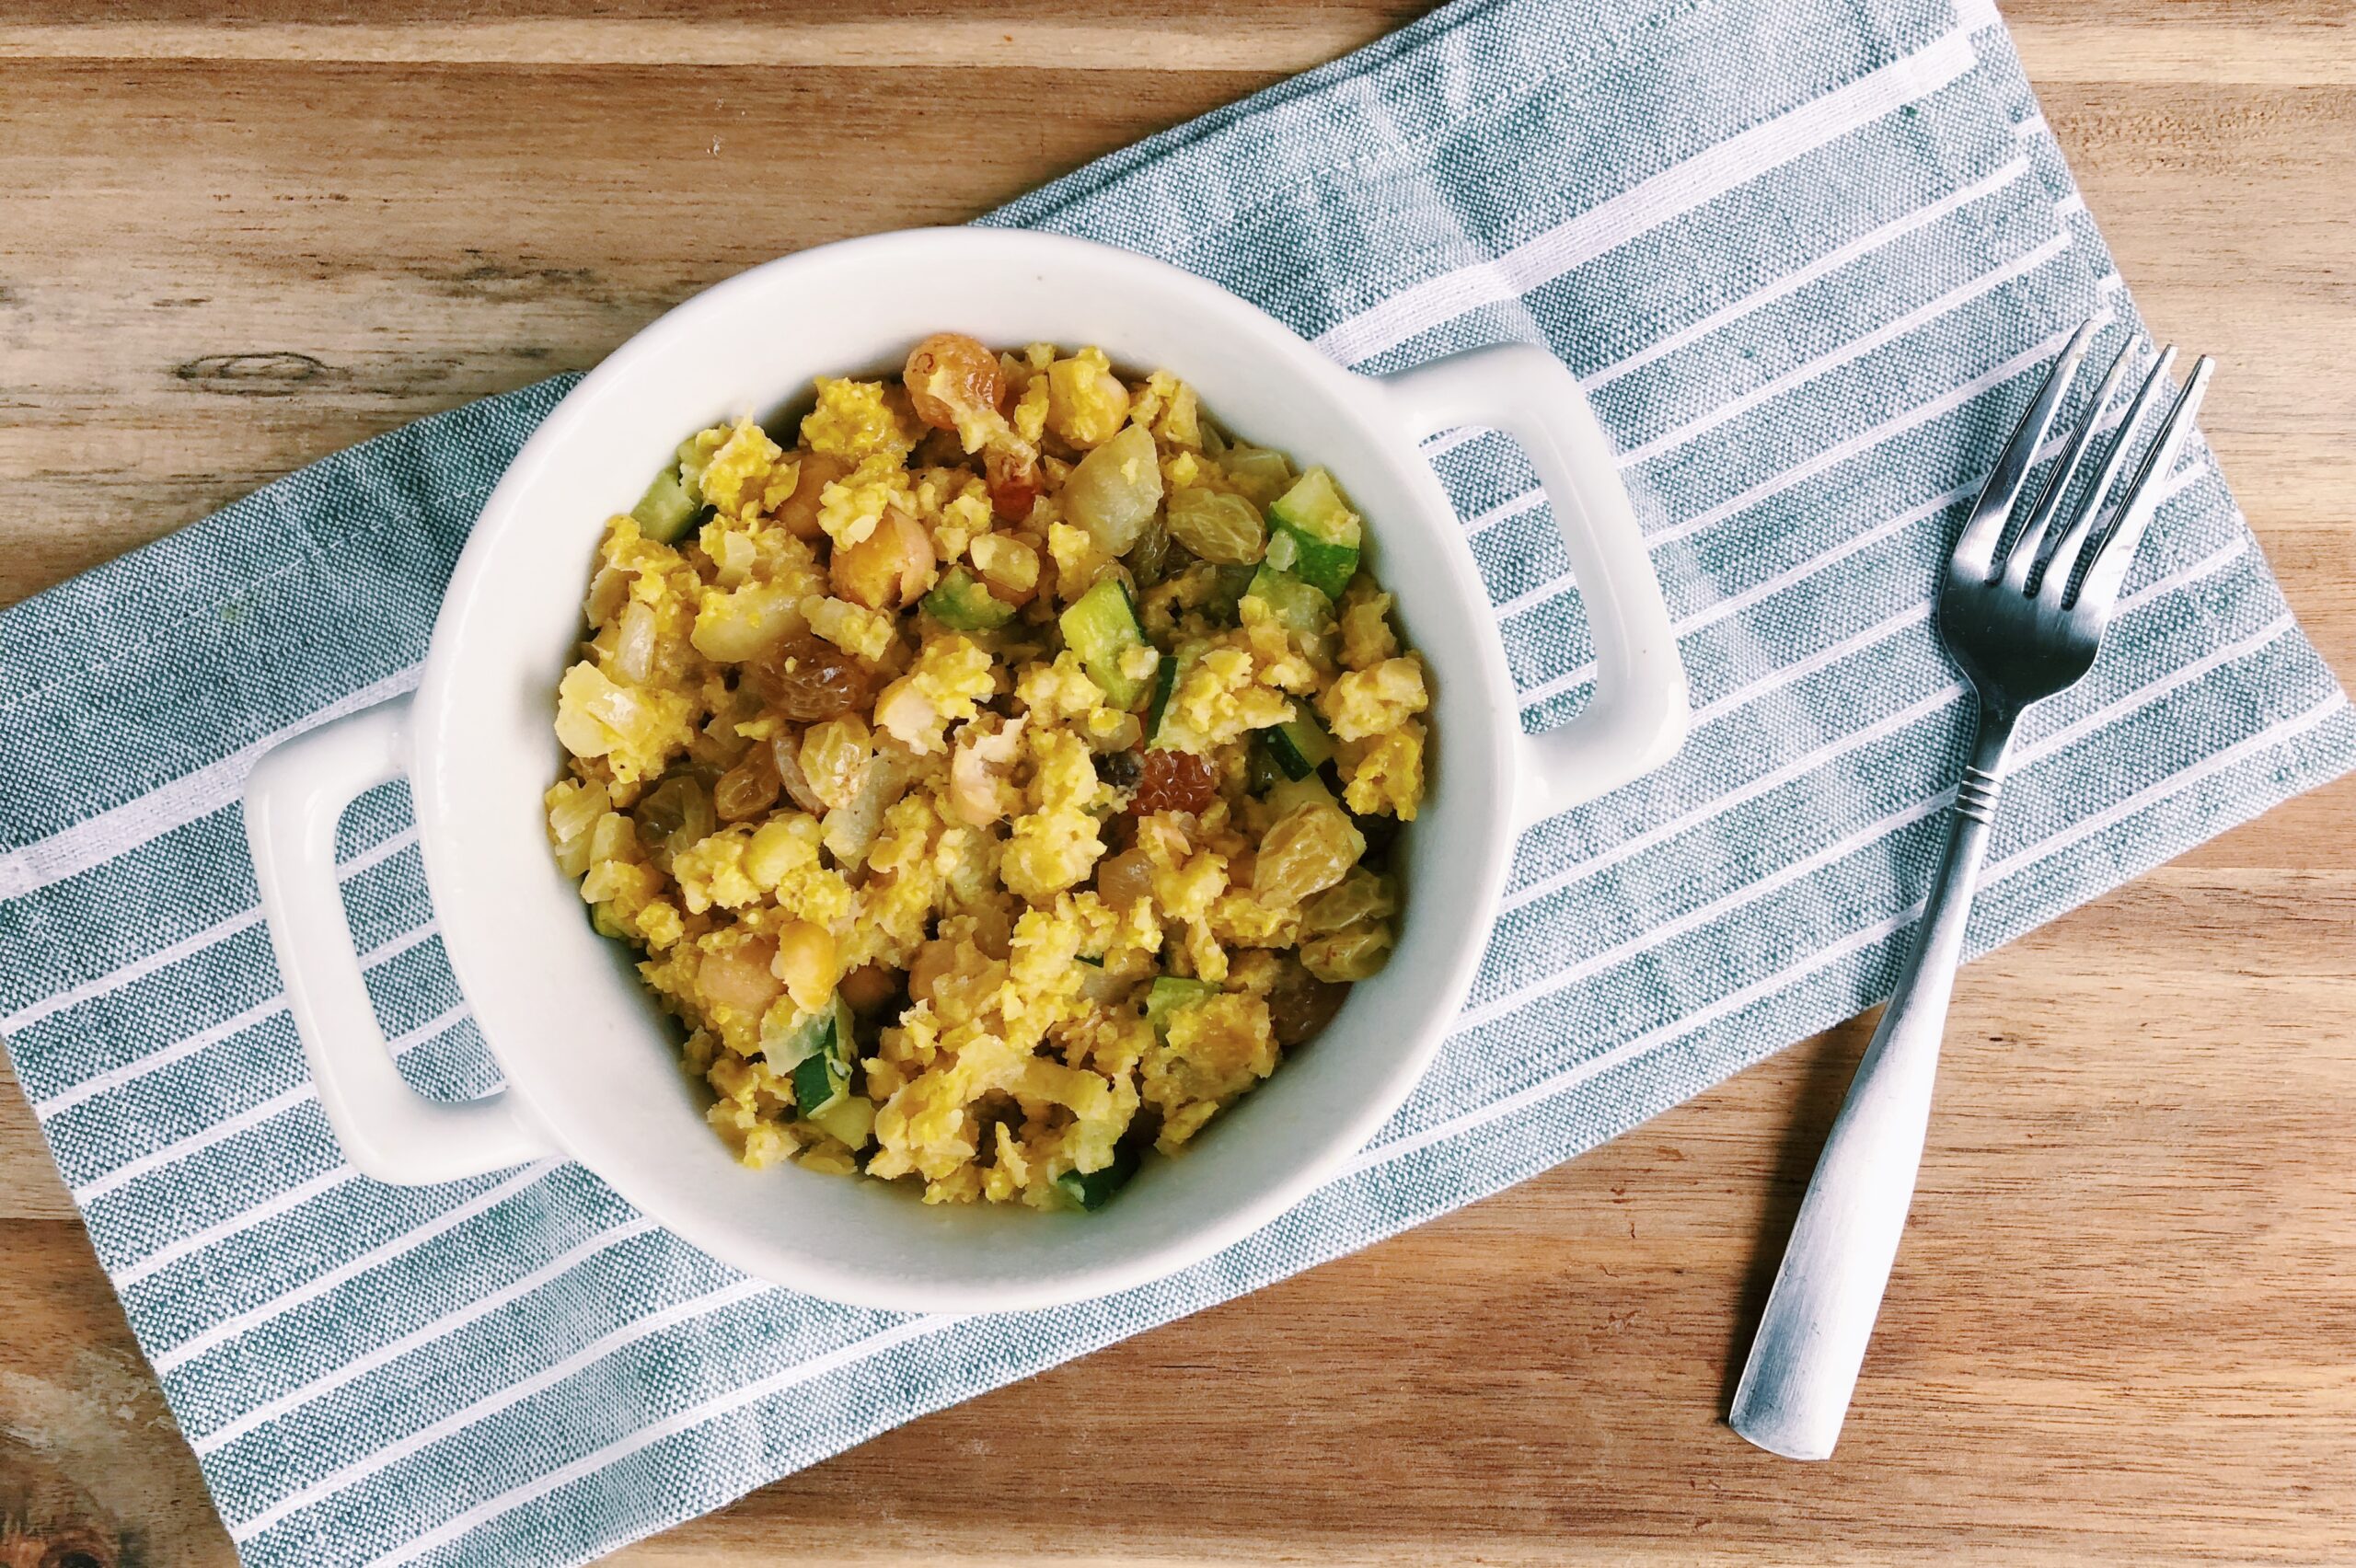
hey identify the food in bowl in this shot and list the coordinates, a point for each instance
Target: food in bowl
(998, 779)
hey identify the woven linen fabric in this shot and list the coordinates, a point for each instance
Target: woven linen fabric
(1808, 258)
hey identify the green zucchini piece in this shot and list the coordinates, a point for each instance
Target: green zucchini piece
(1100, 627)
(1289, 795)
(1227, 585)
(1090, 1188)
(1261, 770)
(1302, 606)
(1158, 726)
(1327, 566)
(820, 1049)
(811, 1033)
(817, 1088)
(667, 507)
(1314, 535)
(1171, 993)
(1165, 681)
(1300, 745)
(961, 603)
(1316, 507)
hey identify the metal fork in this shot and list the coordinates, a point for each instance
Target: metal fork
(2023, 612)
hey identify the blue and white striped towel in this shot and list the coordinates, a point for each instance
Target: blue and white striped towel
(1806, 255)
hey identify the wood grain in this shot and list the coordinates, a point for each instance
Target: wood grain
(2123, 1328)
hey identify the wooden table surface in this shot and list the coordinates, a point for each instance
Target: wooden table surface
(2123, 1327)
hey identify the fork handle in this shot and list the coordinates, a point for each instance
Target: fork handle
(1811, 1340)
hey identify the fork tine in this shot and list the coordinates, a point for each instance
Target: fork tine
(1975, 549)
(2112, 552)
(2063, 558)
(2030, 552)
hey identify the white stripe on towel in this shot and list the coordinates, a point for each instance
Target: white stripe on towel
(1679, 189)
(96, 840)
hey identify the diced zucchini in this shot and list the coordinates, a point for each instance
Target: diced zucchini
(1090, 1188)
(961, 603)
(851, 1120)
(1171, 993)
(667, 507)
(1261, 772)
(817, 1087)
(1101, 627)
(820, 1050)
(1300, 745)
(1291, 794)
(811, 1033)
(1326, 566)
(1303, 610)
(1314, 535)
(1302, 607)
(1172, 670)
(1229, 583)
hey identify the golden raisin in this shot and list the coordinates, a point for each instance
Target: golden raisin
(673, 815)
(1306, 851)
(1354, 952)
(748, 789)
(1013, 480)
(1122, 878)
(808, 679)
(1173, 780)
(1299, 1004)
(951, 377)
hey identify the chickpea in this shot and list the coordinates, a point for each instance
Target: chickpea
(868, 988)
(1087, 404)
(805, 961)
(933, 961)
(993, 929)
(740, 977)
(1009, 567)
(889, 568)
(799, 514)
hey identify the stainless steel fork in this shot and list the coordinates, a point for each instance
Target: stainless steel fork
(2023, 612)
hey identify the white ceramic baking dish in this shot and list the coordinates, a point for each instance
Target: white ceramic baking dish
(591, 1070)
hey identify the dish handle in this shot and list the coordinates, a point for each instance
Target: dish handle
(294, 799)
(1636, 719)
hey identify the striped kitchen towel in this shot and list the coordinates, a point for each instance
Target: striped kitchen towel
(1807, 257)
